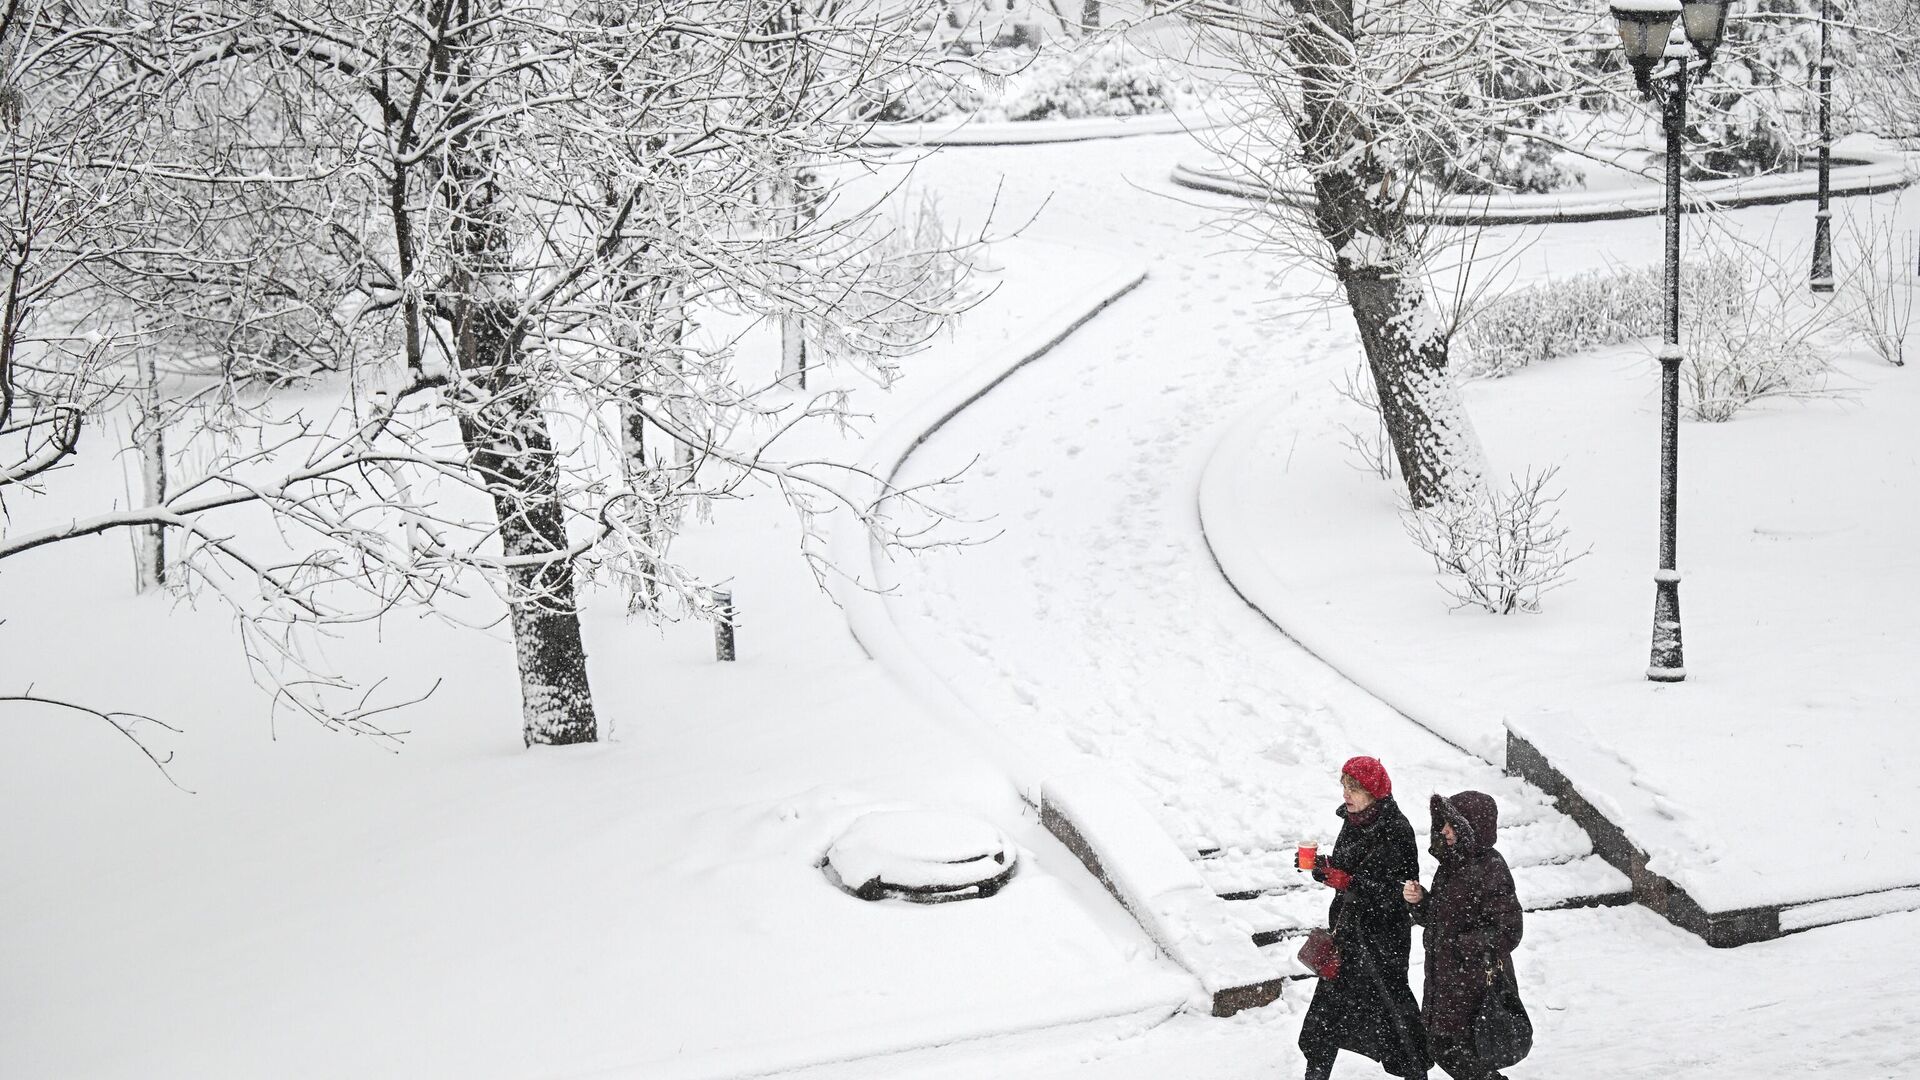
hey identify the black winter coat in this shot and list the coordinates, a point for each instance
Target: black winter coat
(1471, 915)
(1369, 1009)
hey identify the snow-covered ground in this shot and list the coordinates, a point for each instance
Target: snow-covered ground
(650, 907)
(1792, 731)
(1612, 993)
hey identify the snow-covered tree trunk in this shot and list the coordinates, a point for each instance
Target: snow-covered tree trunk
(793, 212)
(1360, 213)
(150, 541)
(503, 421)
(511, 450)
(646, 473)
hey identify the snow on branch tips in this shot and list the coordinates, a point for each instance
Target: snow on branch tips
(461, 308)
(1500, 551)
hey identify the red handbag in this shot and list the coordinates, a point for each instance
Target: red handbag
(1321, 954)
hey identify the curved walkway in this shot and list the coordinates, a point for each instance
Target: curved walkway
(1097, 617)
(966, 131)
(1861, 173)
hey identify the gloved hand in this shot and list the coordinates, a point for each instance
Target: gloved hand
(1339, 879)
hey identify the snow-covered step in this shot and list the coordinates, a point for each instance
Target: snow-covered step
(1843, 909)
(1278, 914)
(1238, 872)
(1554, 839)
(1584, 882)
(1588, 881)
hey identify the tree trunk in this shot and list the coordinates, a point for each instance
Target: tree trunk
(150, 541)
(511, 448)
(647, 477)
(793, 213)
(509, 445)
(1362, 218)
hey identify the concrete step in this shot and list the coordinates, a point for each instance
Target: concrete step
(1584, 882)
(1239, 873)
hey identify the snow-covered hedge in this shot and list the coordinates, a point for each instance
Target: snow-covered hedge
(1112, 79)
(1589, 311)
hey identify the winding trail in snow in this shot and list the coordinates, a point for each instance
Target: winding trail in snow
(1098, 613)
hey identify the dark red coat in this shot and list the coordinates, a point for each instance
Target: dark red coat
(1471, 916)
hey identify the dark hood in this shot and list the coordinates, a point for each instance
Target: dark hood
(1475, 818)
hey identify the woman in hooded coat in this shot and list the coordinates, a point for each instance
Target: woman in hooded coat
(1368, 1007)
(1472, 925)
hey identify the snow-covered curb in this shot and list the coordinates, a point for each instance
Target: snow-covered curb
(1867, 173)
(966, 131)
(1105, 825)
(1096, 816)
(856, 556)
(1241, 557)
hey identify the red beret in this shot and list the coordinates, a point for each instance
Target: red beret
(1371, 774)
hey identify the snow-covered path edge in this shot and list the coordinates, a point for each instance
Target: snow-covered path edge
(1239, 556)
(1875, 172)
(966, 131)
(856, 554)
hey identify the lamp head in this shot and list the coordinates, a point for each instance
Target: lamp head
(1644, 26)
(1706, 23)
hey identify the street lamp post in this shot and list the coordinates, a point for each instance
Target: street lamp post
(1645, 27)
(1822, 281)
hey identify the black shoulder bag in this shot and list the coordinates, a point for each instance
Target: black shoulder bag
(1502, 1033)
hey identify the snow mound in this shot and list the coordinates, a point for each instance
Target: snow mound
(925, 855)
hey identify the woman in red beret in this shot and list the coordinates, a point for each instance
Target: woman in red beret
(1368, 1007)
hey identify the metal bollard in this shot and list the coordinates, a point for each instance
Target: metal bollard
(722, 624)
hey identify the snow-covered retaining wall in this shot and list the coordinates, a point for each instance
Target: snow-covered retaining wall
(1108, 829)
(965, 131)
(1105, 827)
(1862, 173)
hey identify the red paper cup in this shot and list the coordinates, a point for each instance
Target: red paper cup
(1308, 853)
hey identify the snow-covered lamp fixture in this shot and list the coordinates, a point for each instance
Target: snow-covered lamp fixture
(1644, 26)
(1705, 22)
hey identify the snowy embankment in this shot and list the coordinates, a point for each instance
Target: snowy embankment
(1779, 771)
(649, 906)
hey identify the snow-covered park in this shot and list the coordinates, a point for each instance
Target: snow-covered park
(1112, 569)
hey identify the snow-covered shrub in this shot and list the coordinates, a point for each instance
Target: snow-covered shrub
(1878, 288)
(1019, 83)
(1498, 163)
(1732, 364)
(1500, 551)
(1590, 311)
(1759, 347)
(1111, 80)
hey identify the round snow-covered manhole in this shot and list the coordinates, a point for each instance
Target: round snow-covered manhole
(927, 856)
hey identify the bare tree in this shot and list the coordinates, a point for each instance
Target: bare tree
(495, 229)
